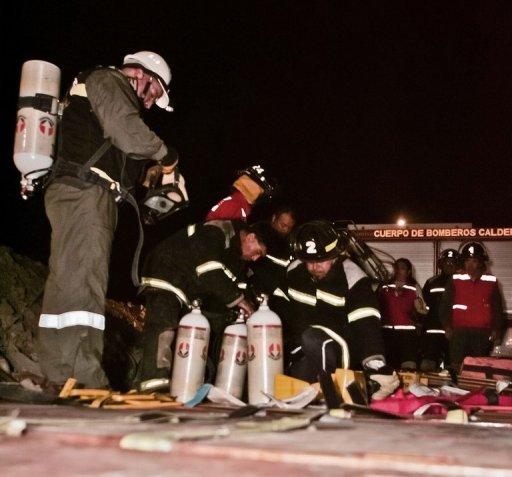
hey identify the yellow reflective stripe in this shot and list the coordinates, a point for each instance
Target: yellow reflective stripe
(242, 286)
(278, 261)
(330, 246)
(214, 265)
(361, 313)
(488, 278)
(437, 290)
(435, 332)
(191, 230)
(399, 327)
(165, 285)
(460, 307)
(464, 276)
(330, 298)
(409, 287)
(208, 267)
(280, 293)
(229, 274)
(302, 297)
(114, 185)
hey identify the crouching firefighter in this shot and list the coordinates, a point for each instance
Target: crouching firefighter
(206, 261)
(103, 143)
(331, 299)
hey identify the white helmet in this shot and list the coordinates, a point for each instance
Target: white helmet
(156, 64)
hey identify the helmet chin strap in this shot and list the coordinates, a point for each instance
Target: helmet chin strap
(135, 84)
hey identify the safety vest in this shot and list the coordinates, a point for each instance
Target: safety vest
(472, 301)
(82, 134)
(397, 305)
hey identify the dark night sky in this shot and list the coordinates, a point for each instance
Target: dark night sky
(363, 110)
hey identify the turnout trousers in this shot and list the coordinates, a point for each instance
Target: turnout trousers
(468, 342)
(163, 312)
(83, 221)
(401, 347)
(317, 352)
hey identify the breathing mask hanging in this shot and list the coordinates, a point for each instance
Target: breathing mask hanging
(166, 195)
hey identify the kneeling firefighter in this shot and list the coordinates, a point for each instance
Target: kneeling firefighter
(331, 297)
(203, 261)
(103, 143)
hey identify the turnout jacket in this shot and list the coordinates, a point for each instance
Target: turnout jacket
(343, 301)
(102, 105)
(433, 291)
(398, 305)
(201, 261)
(268, 275)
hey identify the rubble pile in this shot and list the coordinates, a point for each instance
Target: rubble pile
(21, 289)
(21, 292)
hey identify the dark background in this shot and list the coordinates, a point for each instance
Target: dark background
(363, 110)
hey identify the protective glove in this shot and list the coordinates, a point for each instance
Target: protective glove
(383, 379)
(165, 197)
(246, 306)
(153, 175)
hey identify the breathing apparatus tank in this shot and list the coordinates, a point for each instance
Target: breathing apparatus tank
(36, 123)
(232, 367)
(265, 352)
(190, 354)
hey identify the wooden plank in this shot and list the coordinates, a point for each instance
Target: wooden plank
(143, 405)
(67, 388)
(89, 392)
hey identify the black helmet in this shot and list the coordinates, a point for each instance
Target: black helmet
(473, 249)
(449, 254)
(258, 175)
(316, 241)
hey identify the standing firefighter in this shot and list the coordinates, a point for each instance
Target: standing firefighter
(434, 343)
(471, 307)
(401, 305)
(204, 261)
(327, 289)
(104, 140)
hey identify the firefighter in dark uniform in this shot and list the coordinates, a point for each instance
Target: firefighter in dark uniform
(472, 308)
(203, 261)
(434, 343)
(254, 184)
(331, 297)
(103, 143)
(268, 275)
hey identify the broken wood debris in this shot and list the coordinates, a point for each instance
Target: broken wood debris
(107, 399)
